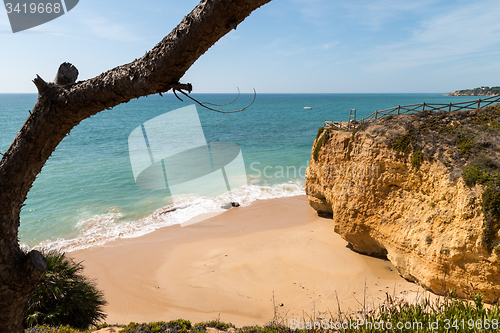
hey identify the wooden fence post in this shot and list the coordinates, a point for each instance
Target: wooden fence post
(450, 108)
(423, 106)
(479, 103)
(376, 114)
(399, 107)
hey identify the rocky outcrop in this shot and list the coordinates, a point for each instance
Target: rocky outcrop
(482, 91)
(395, 188)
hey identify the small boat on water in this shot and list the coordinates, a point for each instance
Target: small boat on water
(307, 107)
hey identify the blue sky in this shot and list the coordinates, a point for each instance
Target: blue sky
(286, 46)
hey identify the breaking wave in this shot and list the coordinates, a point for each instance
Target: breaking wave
(100, 229)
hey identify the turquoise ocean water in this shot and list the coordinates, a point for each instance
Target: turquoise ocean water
(86, 193)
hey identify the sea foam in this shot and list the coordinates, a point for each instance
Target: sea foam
(101, 229)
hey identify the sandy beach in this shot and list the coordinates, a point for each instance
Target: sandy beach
(231, 266)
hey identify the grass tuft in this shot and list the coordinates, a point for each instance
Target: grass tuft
(417, 159)
(465, 143)
(403, 144)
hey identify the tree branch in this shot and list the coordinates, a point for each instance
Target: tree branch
(61, 107)
(64, 103)
(40, 84)
(183, 86)
(67, 74)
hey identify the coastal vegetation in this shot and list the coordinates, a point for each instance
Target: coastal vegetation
(486, 172)
(320, 131)
(65, 296)
(480, 91)
(447, 314)
(403, 144)
(319, 144)
(460, 130)
(417, 159)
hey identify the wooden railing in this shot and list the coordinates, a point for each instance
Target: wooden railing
(462, 106)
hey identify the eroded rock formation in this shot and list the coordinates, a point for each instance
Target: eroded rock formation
(395, 188)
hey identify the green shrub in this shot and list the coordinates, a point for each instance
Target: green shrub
(465, 143)
(491, 202)
(215, 324)
(489, 118)
(179, 326)
(320, 130)
(403, 144)
(319, 144)
(417, 159)
(448, 129)
(65, 296)
(491, 198)
(49, 329)
(473, 175)
(486, 163)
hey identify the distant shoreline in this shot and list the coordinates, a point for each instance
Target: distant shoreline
(481, 91)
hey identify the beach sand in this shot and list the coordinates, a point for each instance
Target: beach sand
(230, 266)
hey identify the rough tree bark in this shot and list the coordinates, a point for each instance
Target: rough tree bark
(64, 103)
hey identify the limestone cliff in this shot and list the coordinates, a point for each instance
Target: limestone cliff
(396, 188)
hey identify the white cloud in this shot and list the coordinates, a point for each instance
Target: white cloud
(470, 31)
(371, 13)
(329, 45)
(376, 14)
(105, 28)
(316, 12)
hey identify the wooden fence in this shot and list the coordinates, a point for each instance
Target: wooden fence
(462, 106)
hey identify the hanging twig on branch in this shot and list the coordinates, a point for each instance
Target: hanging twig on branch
(180, 87)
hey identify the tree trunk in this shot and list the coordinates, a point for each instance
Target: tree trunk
(63, 104)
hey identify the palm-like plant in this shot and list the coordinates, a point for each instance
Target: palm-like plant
(65, 296)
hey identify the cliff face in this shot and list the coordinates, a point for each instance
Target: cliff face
(395, 189)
